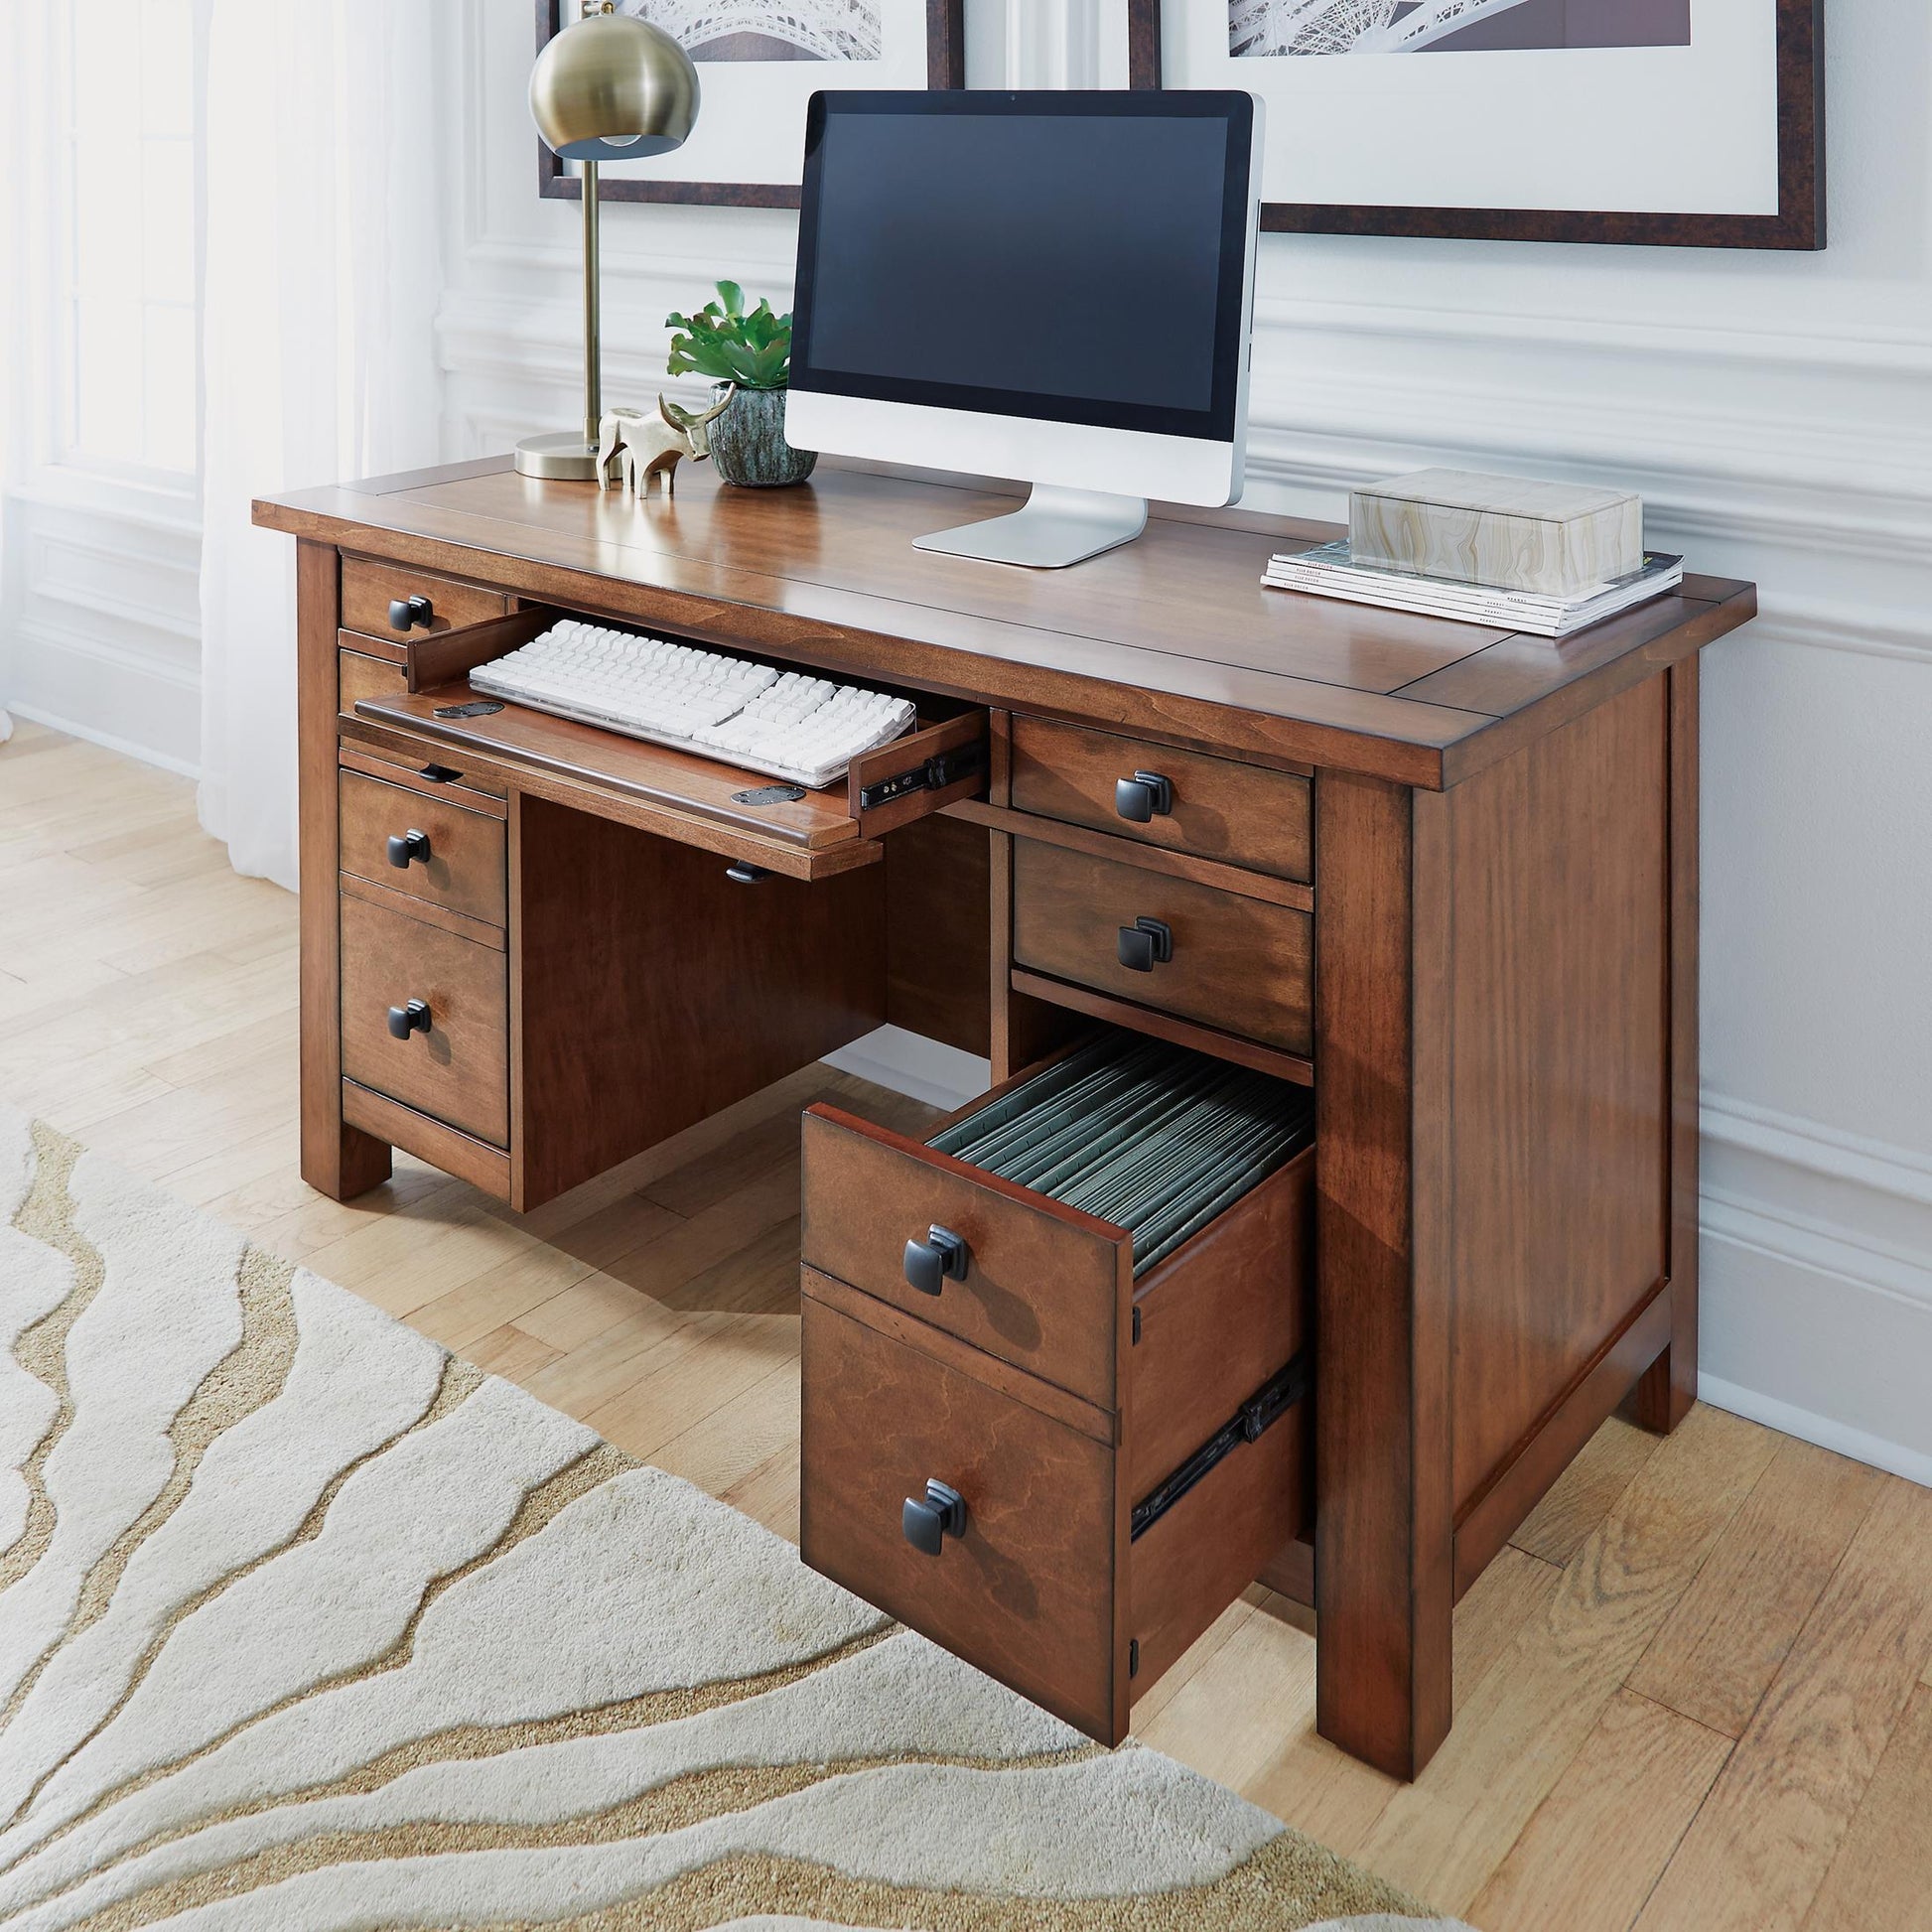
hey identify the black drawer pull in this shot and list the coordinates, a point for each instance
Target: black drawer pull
(412, 1019)
(741, 871)
(1143, 796)
(405, 612)
(942, 1514)
(408, 848)
(1145, 944)
(932, 1262)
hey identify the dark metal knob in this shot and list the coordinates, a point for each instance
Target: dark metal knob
(405, 612)
(407, 848)
(1142, 797)
(412, 1019)
(742, 873)
(439, 774)
(931, 1263)
(928, 1523)
(1145, 944)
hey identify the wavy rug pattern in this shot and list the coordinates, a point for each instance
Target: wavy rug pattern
(306, 1624)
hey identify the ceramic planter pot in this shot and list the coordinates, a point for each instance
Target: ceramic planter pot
(747, 442)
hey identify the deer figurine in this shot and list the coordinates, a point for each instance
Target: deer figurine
(646, 449)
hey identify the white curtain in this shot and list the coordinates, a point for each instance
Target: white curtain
(323, 276)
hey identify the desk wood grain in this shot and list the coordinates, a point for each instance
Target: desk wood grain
(1173, 638)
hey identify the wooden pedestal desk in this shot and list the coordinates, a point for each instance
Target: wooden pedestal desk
(1447, 875)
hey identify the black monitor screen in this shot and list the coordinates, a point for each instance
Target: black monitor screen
(1070, 257)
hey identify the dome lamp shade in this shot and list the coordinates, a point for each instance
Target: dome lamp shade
(613, 87)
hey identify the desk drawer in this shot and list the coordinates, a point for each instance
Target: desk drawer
(1242, 965)
(1046, 1586)
(359, 676)
(1055, 1391)
(1244, 814)
(457, 1067)
(371, 585)
(452, 857)
(1052, 1290)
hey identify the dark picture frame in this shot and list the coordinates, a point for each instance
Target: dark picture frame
(1798, 225)
(945, 34)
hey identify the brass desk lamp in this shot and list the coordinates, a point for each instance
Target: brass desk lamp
(609, 87)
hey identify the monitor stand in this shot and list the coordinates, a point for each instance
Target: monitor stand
(1054, 527)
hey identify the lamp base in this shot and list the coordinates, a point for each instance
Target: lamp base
(560, 457)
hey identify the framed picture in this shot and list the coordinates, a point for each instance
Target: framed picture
(1686, 123)
(758, 63)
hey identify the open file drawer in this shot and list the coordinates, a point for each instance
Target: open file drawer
(1130, 1454)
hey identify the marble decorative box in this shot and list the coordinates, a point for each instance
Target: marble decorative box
(1509, 531)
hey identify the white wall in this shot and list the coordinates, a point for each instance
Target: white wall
(1775, 412)
(100, 561)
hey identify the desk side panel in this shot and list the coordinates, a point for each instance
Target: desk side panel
(1560, 1136)
(340, 1159)
(649, 990)
(1383, 1536)
(939, 932)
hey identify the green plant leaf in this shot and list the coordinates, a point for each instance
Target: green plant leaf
(742, 362)
(753, 351)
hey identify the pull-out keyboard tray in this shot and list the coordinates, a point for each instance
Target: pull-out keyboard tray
(697, 800)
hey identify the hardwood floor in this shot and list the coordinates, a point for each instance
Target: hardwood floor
(1695, 1692)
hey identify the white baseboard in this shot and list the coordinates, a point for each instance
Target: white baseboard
(909, 1064)
(1816, 1268)
(107, 741)
(1913, 1464)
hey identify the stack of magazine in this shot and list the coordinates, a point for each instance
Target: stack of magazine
(1329, 571)
(1156, 1139)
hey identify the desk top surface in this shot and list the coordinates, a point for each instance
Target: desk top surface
(1173, 635)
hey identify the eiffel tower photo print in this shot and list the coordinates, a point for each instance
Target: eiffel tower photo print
(1674, 123)
(760, 30)
(1264, 27)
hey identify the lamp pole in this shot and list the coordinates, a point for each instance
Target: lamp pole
(593, 332)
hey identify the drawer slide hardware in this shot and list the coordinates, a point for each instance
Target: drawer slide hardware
(411, 1019)
(932, 775)
(942, 1514)
(1272, 1401)
(1145, 944)
(941, 1256)
(408, 848)
(1143, 797)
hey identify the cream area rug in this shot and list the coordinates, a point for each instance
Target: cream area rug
(306, 1624)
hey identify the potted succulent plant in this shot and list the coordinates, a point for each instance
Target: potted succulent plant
(749, 355)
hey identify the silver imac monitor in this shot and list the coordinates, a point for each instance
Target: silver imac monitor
(1054, 287)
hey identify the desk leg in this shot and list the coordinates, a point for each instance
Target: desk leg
(1668, 1386)
(339, 1159)
(1384, 1529)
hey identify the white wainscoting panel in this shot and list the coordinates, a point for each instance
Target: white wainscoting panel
(1776, 414)
(101, 610)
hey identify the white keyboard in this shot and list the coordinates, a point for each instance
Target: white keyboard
(784, 722)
